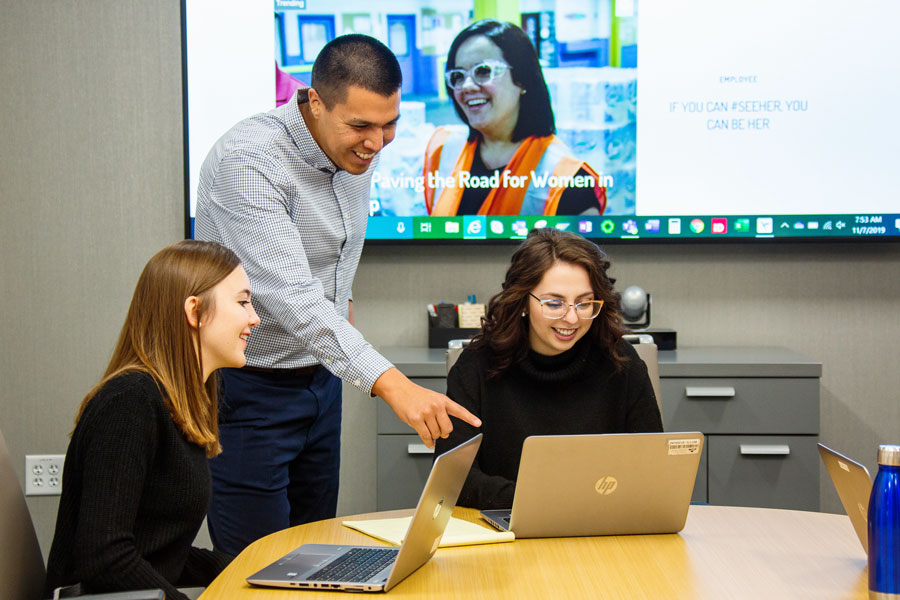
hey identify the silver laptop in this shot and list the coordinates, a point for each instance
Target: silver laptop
(379, 568)
(854, 486)
(611, 484)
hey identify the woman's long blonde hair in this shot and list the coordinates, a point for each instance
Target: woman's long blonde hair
(157, 338)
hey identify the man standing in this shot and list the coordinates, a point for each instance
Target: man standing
(288, 192)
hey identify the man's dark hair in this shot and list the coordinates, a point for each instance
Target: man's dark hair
(354, 59)
(535, 112)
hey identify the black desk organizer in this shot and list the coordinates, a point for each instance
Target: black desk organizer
(443, 326)
(439, 337)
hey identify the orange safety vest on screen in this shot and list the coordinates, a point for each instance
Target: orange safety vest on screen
(537, 158)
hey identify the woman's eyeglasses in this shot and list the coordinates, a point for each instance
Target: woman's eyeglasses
(482, 73)
(557, 309)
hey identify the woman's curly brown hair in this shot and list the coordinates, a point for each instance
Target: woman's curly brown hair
(505, 331)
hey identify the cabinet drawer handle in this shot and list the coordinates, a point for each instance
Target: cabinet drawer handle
(766, 449)
(419, 449)
(709, 392)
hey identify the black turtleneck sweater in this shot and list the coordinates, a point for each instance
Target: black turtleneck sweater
(134, 494)
(576, 392)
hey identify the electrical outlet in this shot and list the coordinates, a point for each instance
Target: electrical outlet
(43, 474)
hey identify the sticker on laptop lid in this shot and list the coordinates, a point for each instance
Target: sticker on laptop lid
(688, 446)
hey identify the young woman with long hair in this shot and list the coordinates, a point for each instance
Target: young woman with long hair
(135, 482)
(550, 360)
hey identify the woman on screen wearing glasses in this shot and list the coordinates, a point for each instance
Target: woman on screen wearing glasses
(550, 360)
(136, 483)
(498, 90)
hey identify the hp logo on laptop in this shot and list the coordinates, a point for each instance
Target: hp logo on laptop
(606, 485)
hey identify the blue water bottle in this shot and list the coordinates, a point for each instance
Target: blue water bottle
(884, 527)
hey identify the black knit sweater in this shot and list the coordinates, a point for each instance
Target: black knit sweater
(576, 392)
(134, 495)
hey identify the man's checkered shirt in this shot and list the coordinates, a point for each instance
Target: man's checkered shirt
(268, 192)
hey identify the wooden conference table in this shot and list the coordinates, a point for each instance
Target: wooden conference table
(723, 552)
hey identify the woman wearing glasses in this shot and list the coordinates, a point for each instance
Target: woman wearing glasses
(509, 162)
(550, 360)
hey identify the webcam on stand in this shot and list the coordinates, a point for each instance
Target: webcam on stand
(636, 316)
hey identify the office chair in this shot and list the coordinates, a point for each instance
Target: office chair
(648, 352)
(22, 571)
(454, 349)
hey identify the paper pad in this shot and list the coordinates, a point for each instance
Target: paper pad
(458, 532)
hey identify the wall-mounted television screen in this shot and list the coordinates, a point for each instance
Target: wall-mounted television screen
(619, 119)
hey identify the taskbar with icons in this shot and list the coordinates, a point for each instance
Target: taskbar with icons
(473, 227)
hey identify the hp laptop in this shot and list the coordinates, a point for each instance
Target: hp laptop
(854, 486)
(611, 484)
(379, 568)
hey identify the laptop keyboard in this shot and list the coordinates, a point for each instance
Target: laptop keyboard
(357, 564)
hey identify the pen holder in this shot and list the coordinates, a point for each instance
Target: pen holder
(444, 325)
(447, 316)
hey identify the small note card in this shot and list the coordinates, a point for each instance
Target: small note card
(470, 315)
